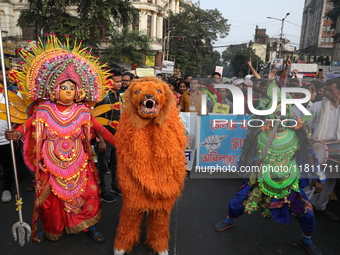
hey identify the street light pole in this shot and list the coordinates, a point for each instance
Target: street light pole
(167, 52)
(281, 35)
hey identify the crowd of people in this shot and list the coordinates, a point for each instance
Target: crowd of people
(324, 104)
(188, 90)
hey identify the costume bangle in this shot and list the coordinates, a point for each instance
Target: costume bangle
(19, 135)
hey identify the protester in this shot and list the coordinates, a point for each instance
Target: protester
(106, 152)
(318, 90)
(226, 106)
(243, 85)
(127, 78)
(182, 87)
(325, 125)
(217, 77)
(174, 88)
(319, 86)
(187, 79)
(191, 99)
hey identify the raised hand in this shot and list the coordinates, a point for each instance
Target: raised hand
(272, 74)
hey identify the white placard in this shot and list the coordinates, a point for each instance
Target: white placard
(219, 69)
(168, 67)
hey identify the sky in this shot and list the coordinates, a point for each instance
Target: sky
(244, 15)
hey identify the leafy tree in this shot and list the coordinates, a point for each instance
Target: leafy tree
(192, 34)
(86, 19)
(236, 57)
(208, 65)
(128, 46)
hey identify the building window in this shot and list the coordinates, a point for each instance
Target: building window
(135, 25)
(327, 22)
(28, 33)
(100, 33)
(149, 1)
(329, 6)
(149, 25)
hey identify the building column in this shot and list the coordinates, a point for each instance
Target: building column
(143, 21)
(159, 27)
(173, 6)
(177, 7)
(153, 25)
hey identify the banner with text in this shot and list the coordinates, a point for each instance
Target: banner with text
(189, 121)
(219, 145)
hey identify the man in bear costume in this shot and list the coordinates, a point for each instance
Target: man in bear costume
(150, 142)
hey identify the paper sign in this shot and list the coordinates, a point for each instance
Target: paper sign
(168, 67)
(219, 69)
(145, 72)
(221, 108)
(9, 48)
(278, 64)
(150, 60)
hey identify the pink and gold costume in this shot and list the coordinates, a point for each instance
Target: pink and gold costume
(57, 135)
(67, 196)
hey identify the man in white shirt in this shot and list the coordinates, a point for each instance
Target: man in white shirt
(326, 125)
(307, 105)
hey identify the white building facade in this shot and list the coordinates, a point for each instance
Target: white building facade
(151, 15)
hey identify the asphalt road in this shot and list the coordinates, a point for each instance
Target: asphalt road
(203, 203)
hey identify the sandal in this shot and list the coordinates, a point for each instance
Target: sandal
(329, 214)
(96, 235)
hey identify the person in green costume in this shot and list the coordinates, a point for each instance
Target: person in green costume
(277, 187)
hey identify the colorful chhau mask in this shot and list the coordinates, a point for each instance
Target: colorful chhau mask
(52, 63)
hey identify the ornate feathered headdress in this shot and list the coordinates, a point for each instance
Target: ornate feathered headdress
(51, 63)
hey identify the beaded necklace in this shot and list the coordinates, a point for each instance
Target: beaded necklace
(279, 172)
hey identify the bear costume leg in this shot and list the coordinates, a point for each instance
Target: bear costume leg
(128, 230)
(158, 233)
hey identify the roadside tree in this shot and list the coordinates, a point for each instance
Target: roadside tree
(191, 34)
